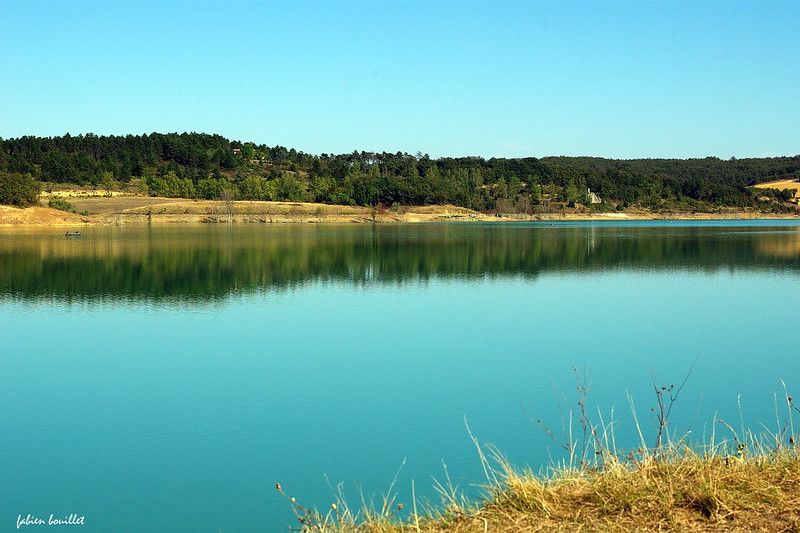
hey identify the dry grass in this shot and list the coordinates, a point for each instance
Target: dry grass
(39, 216)
(117, 204)
(742, 483)
(686, 492)
(126, 208)
(780, 185)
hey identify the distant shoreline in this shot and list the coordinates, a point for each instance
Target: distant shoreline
(124, 210)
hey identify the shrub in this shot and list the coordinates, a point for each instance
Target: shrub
(61, 205)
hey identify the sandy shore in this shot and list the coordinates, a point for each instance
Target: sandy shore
(119, 210)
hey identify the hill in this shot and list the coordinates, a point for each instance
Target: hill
(211, 167)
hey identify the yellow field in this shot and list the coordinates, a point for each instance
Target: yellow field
(780, 185)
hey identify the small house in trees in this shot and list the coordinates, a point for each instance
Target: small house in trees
(594, 198)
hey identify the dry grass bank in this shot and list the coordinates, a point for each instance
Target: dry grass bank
(123, 209)
(736, 481)
(685, 492)
(40, 216)
(136, 209)
(212, 211)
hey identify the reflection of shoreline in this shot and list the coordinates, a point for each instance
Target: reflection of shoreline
(212, 262)
(789, 247)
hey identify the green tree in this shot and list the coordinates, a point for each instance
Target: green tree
(434, 179)
(501, 190)
(322, 189)
(291, 188)
(536, 193)
(18, 189)
(107, 183)
(253, 188)
(571, 193)
(210, 188)
(170, 186)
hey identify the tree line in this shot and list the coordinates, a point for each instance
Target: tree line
(197, 165)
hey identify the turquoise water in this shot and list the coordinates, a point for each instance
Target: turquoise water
(165, 379)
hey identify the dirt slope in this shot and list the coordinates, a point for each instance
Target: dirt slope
(14, 216)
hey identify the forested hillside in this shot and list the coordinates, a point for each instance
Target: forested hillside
(195, 165)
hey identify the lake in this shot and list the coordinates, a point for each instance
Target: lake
(165, 378)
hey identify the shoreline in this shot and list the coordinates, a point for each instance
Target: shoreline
(125, 210)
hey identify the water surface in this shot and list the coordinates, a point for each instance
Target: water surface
(164, 378)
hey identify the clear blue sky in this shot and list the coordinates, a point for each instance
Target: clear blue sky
(616, 79)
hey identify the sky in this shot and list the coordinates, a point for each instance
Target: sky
(505, 79)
